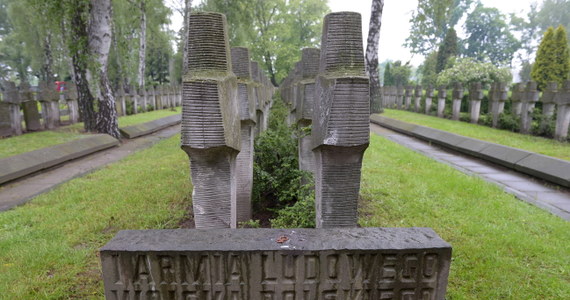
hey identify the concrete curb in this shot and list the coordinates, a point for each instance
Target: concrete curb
(545, 167)
(134, 131)
(27, 163)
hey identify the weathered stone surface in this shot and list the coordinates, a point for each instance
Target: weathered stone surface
(408, 95)
(503, 155)
(393, 124)
(341, 113)
(134, 131)
(441, 95)
(475, 96)
(528, 99)
(457, 97)
(516, 97)
(497, 96)
(71, 97)
(49, 98)
(10, 116)
(563, 114)
(211, 121)
(356, 263)
(30, 105)
(429, 96)
(546, 167)
(417, 98)
(27, 163)
(5, 120)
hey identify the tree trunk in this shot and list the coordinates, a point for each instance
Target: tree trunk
(99, 44)
(78, 56)
(372, 48)
(269, 65)
(47, 68)
(187, 11)
(142, 44)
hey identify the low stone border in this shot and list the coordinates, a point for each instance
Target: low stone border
(17, 166)
(134, 131)
(545, 167)
(339, 263)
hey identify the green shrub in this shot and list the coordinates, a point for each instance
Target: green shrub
(509, 122)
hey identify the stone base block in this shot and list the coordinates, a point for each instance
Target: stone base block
(134, 131)
(256, 264)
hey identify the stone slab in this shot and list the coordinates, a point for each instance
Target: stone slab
(392, 123)
(503, 155)
(548, 168)
(255, 264)
(17, 166)
(134, 131)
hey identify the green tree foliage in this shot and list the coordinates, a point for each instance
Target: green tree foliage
(551, 63)
(467, 70)
(553, 13)
(388, 80)
(488, 36)
(431, 21)
(274, 30)
(446, 50)
(427, 70)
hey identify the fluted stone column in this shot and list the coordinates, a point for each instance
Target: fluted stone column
(497, 97)
(475, 96)
(429, 97)
(211, 121)
(309, 69)
(563, 114)
(32, 116)
(340, 121)
(548, 100)
(441, 96)
(516, 96)
(10, 117)
(244, 161)
(259, 113)
(49, 98)
(528, 100)
(417, 98)
(457, 98)
(408, 95)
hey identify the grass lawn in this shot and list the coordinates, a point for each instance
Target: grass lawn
(527, 142)
(48, 247)
(503, 248)
(37, 140)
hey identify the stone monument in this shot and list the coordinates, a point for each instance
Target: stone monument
(548, 101)
(49, 98)
(417, 98)
(457, 98)
(563, 115)
(340, 121)
(528, 100)
(408, 100)
(71, 98)
(441, 95)
(244, 161)
(32, 116)
(516, 95)
(10, 116)
(475, 96)
(211, 121)
(497, 97)
(429, 97)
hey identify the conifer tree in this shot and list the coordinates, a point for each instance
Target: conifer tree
(552, 58)
(446, 50)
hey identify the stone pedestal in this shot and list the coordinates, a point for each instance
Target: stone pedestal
(441, 95)
(516, 95)
(497, 97)
(49, 98)
(417, 98)
(429, 97)
(399, 97)
(71, 98)
(10, 116)
(563, 115)
(408, 94)
(244, 161)
(211, 121)
(255, 264)
(32, 116)
(457, 98)
(548, 100)
(475, 96)
(528, 100)
(340, 121)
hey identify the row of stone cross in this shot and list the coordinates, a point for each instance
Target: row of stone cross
(523, 100)
(21, 104)
(226, 102)
(328, 94)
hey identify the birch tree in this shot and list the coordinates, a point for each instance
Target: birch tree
(372, 48)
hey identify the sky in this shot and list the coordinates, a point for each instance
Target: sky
(395, 22)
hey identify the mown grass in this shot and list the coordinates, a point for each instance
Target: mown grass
(37, 140)
(527, 142)
(503, 248)
(48, 247)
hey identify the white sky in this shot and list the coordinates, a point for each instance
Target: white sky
(395, 22)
